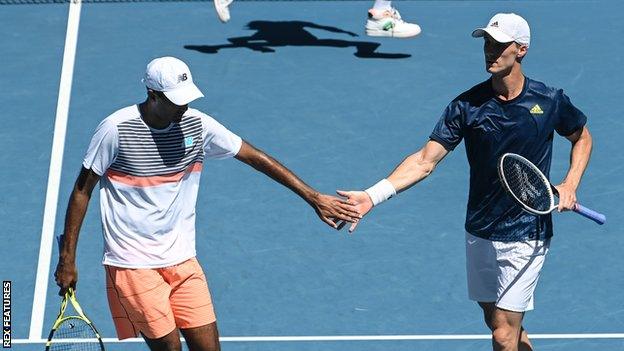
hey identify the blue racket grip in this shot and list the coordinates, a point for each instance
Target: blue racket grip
(591, 214)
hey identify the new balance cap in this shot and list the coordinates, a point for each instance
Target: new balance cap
(505, 28)
(172, 77)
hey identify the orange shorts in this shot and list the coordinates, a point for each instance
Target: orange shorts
(156, 301)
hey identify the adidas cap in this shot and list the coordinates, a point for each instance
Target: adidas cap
(505, 28)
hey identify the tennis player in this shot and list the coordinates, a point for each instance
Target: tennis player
(509, 112)
(148, 159)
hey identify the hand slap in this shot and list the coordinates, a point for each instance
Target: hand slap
(331, 209)
(361, 201)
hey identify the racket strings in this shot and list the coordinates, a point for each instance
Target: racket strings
(74, 334)
(526, 185)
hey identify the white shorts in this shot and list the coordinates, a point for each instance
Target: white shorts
(505, 273)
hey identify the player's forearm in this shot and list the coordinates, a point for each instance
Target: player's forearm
(272, 168)
(411, 171)
(579, 158)
(76, 210)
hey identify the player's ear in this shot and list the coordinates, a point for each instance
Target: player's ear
(522, 51)
(151, 94)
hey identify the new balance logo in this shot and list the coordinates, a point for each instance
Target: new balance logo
(182, 77)
(536, 110)
(494, 24)
(188, 141)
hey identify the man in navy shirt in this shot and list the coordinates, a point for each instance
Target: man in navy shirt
(505, 246)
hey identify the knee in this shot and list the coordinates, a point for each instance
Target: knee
(505, 337)
(170, 342)
(204, 338)
(174, 345)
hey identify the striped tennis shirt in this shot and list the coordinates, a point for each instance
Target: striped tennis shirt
(149, 183)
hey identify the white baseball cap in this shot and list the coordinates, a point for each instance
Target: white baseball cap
(505, 28)
(172, 77)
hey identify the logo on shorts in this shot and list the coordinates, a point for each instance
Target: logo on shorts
(188, 141)
(536, 110)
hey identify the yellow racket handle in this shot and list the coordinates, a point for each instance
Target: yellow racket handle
(71, 295)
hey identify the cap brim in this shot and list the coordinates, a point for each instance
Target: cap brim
(184, 95)
(494, 32)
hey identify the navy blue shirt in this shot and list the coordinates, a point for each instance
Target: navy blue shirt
(492, 127)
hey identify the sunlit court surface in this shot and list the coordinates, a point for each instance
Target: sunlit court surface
(339, 110)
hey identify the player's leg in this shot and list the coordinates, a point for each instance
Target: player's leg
(192, 306)
(223, 9)
(488, 311)
(482, 269)
(524, 344)
(385, 21)
(139, 304)
(506, 329)
(382, 5)
(204, 338)
(519, 266)
(169, 342)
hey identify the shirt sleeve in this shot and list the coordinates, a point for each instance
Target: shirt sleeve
(103, 148)
(569, 119)
(450, 128)
(219, 142)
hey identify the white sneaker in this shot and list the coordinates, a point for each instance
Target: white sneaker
(388, 23)
(222, 9)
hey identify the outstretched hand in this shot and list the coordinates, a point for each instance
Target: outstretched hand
(362, 204)
(332, 209)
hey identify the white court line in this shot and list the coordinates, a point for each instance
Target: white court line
(54, 175)
(355, 338)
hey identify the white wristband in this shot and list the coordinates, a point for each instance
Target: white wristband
(381, 191)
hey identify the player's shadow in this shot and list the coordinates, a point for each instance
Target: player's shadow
(272, 34)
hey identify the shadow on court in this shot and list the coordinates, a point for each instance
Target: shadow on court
(272, 34)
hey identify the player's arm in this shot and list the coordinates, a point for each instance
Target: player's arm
(66, 274)
(579, 158)
(412, 170)
(417, 166)
(328, 208)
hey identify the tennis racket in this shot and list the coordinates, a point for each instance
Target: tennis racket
(75, 333)
(530, 188)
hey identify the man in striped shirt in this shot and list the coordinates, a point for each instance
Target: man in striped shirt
(148, 159)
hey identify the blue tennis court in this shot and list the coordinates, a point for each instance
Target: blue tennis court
(341, 111)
